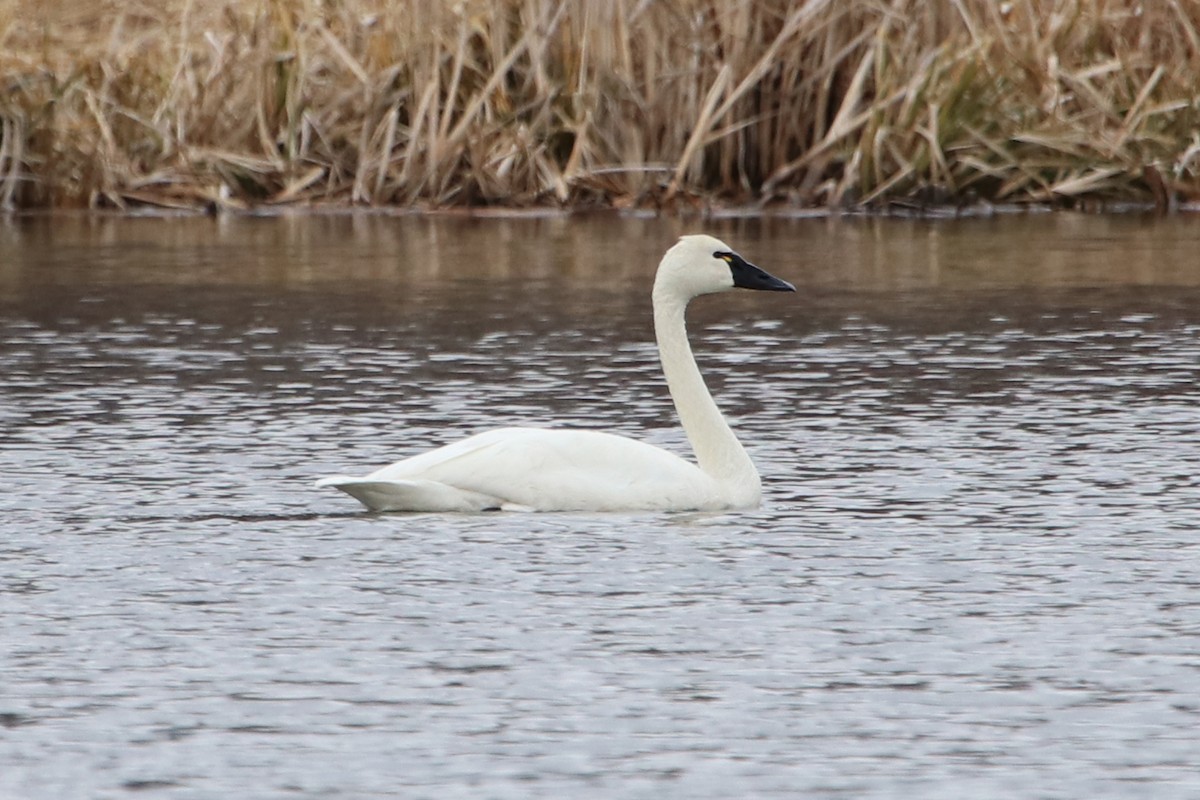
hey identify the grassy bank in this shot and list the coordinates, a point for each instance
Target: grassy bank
(597, 102)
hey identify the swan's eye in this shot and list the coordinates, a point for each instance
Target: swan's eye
(726, 257)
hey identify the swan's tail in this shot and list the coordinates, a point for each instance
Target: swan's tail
(406, 495)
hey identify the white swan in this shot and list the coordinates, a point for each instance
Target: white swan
(531, 469)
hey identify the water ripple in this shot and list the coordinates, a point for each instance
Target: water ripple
(973, 573)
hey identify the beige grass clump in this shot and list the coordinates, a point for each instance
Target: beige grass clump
(597, 102)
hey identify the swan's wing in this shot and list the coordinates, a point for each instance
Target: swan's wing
(559, 470)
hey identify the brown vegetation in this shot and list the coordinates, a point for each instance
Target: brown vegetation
(198, 103)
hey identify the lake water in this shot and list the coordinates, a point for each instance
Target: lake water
(976, 572)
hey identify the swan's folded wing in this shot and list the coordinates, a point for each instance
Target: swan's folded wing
(560, 470)
(537, 469)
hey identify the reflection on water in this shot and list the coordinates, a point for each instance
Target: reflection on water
(973, 574)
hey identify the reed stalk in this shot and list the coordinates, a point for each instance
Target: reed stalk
(667, 104)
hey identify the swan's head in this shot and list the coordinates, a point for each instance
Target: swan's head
(701, 264)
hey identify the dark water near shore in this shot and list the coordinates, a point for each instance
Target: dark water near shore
(976, 572)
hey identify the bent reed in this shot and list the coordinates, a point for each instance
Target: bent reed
(667, 103)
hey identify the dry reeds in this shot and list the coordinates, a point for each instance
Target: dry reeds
(606, 102)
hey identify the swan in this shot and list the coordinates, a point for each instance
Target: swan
(534, 469)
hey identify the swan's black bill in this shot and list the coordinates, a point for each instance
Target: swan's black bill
(748, 276)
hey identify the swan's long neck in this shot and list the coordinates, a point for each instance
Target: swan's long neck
(717, 449)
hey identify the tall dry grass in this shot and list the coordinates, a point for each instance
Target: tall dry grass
(610, 102)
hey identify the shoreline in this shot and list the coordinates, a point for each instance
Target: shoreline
(500, 211)
(675, 107)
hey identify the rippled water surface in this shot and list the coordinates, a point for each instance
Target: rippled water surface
(976, 572)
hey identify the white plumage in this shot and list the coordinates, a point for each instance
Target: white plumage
(534, 469)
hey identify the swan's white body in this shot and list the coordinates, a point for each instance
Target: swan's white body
(536, 469)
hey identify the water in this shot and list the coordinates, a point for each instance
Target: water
(974, 574)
